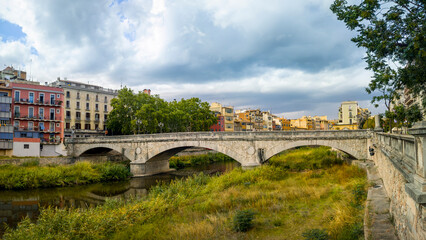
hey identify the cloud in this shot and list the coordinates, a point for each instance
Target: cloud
(289, 56)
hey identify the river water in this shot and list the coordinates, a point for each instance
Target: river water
(15, 205)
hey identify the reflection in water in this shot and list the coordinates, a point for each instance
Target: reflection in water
(15, 205)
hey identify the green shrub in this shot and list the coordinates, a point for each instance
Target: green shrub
(315, 234)
(243, 220)
(31, 163)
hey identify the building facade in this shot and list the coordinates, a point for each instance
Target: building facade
(86, 108)
(37, 119)
(228, 115)
(6, 127)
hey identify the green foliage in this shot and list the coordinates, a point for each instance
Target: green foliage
(31, 163)
(19, 177)
(393, 33)
(243, 220)
(179, 162)
(143, 113)
(204, 207)
(315, 234)
(304, 159)
(359, 194)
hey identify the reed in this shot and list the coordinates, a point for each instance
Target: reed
(283, 204)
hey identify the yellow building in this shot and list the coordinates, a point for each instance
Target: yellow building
(86, 107)
(348, 115)
(227, 113)
(303, 123)
(286, 124)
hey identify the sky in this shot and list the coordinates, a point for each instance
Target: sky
(293, 58)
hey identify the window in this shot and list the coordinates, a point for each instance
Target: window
(78, 95)
(52, 114)
(52, 127)
(68, 94)
(52, 98)
(87, 126)
(58, 111)
(87, 116)
(106, 108)
(78, 105)
(58, 96)
(105, 117)
(41, 126)
(30, 112)
(17, 112)
(31, 97)
(16, 123)
(96, 127)
(97, 98)
(57, 125)
(68, 104)
(41, 113)
(77, 126)
(30, 126)
(68, 114)
(26, 146)
(41, 97)
(67, 125)
(87, 106)
(87, 97)
(97, 107)
(17, 95)
(78, 115)
(97, 116)
(106, 99)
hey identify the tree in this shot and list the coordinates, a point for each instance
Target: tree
(393, 33)
(135, 113)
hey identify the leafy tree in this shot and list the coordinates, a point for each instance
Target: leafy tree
(393, 33)
(142, 113)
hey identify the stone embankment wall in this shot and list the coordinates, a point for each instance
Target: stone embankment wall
(43, 161)
(395, 160)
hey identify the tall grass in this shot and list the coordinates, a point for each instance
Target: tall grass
(34, 176)
(179, 162)
(285, 204)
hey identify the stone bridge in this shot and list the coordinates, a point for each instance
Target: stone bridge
(399, 159)
(149, 154)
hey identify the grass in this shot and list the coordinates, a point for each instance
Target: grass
(283, 204)
(31, 175)
(179, 162)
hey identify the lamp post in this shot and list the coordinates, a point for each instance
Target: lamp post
(138, 122)
(161, 125)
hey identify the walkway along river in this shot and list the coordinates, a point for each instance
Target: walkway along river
(15, 205)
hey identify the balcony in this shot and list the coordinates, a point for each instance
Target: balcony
(25, 129)
(36, 118)
(97, 120)
(6, 144)
(48, 130)
(5, 114)
(87, 118)
(77, 119)
(6, 100)
(56, 103)
(6, 129)
(49, 141)
(68, 118)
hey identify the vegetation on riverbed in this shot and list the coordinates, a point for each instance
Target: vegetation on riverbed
(179, 162)
(31, 175)
(268, 202)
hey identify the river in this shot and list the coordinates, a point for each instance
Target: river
(15, 205)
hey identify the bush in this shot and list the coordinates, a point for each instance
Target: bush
(243, 220)
(315, 234)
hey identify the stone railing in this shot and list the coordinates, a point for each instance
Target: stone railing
(284, 135)
(401, 150)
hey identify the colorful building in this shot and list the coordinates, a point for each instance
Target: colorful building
(6, 127)
(220, 125)
(228, 115)
(37, 119)
(86, 107)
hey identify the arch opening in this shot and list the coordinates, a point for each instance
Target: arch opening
(191, 156)
(102, 154)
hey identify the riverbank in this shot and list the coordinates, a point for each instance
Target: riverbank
(31, 175)
(269, 202)
(184, 161)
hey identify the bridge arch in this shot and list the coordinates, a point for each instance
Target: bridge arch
(349, 148)
(168, 150)
(92, 147)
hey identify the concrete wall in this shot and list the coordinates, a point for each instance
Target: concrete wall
(32, 151)
(408, 216)
(53, 150)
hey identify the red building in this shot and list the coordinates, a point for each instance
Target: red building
(38, 119)
(220, 125)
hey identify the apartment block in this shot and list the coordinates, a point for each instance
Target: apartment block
(228, 114)
(86, 108)
(6, 127)
(37, 119)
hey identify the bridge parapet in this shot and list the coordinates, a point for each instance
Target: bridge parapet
(211, 136)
